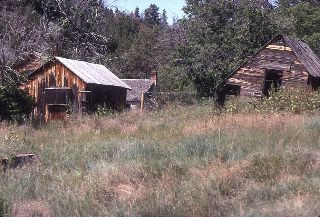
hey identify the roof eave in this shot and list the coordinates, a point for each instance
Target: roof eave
(247, 60)
(128, 88)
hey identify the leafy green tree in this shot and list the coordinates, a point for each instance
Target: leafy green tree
(300, 19)
(15, 104)
(306, 19)
(124, 31)
(221, 35)
(139, 60)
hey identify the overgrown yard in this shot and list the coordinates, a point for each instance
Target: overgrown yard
(186, 161)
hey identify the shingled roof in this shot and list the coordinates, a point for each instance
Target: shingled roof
(138, 86)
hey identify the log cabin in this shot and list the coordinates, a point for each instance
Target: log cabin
(283, 62)
(63, 85)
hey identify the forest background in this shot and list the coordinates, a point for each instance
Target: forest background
(193, 53)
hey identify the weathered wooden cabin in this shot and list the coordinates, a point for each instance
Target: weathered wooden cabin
(63, 85)
(283, 62)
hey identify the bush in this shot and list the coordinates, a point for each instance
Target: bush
(3, 206)
(15, 104)
(284, 100)
(104, 110)
(266, 168)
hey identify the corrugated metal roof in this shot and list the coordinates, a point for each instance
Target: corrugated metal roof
(92, 73)
(138, 86)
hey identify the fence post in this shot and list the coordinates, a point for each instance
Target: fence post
(142, 102)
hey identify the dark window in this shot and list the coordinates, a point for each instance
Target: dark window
(57, 96)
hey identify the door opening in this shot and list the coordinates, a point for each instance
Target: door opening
(273, 79)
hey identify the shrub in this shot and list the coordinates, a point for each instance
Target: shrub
(104, 110)
(15, 104)
(294, 100)
(285, 100)
(3, 206)
(266, 168)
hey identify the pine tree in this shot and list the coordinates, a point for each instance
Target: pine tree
(164, 18)
(137, 13)
(152, 16)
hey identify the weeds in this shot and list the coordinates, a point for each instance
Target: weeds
(181, 161)
(285, 100)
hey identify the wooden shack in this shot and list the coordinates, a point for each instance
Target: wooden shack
(283, 62)
(141, 92)
(64, 85)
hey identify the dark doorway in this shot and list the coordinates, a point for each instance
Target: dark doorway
(314, 82)
(232, 89)
(227, 90)
(86, 101)
(273, 79)
(57, 112)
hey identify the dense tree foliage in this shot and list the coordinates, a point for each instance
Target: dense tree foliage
(305, 23)
(194, 53)
(15, 104)
(221, 34)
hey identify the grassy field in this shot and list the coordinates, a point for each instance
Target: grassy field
(186, 161)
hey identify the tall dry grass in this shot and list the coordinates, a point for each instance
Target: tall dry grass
(182, 161)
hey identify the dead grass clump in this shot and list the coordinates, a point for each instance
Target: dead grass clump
(119, 184)
(312, 160)
(295, 206)
(266, 168)
(228, 179)
(31, 209)
(235, 122)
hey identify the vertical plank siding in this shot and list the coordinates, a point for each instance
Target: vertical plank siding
(108, 96)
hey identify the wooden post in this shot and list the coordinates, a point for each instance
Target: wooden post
(142, 102)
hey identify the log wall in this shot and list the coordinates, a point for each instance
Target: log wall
(276, 56)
